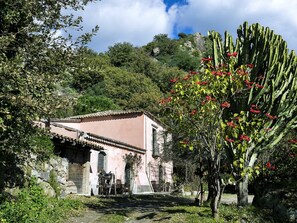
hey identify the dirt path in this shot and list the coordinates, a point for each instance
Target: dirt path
(142, 208)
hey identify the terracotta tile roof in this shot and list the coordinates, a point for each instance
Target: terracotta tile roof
(77, 141)
(106, 113)
(92, 140)
(108, 141)
(78, 118)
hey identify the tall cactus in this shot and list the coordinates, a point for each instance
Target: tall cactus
(276, 70)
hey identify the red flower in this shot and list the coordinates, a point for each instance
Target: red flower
(209, 98)
(229, 140)
(252, 110)
(244, 138)
(250, 65)
(270, 116)
(231, 124)
(172, 91)
(248, 82)
(225, 104)
(268, 165)
(293, 141)
(193, 112)
(259, 86)
(165, 100)
(241, 72)
(186, 77)
(232, 54)
(227, 73)
(193, 72)
(206, 59)
(201, 83)
(217, 73)
(292, 155)
(173, 80)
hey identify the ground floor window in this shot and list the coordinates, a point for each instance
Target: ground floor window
(101, 162)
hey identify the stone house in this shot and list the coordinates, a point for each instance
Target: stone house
(118, 149)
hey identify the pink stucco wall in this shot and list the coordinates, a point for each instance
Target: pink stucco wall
(153, 163)
(125, 128)
(115, 164)
(133, 129)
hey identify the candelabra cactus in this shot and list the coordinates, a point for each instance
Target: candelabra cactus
(272, 88)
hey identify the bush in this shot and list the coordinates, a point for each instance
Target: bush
(32, 205)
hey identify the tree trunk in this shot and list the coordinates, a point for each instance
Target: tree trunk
(223, 185)
(210, 190)
(214, 182)
(216, 192)
(201, 192)
(242, 191)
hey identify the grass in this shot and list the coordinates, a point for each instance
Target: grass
(114, 210)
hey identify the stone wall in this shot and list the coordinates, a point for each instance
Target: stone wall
(57, 169)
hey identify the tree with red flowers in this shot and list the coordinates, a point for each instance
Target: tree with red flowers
(240, 106)
(267, 110)
(197, 107)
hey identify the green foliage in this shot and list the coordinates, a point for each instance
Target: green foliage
(113, 218)
(121, 54)
(274, 68)
(42, 145)
(91, 104)
(182, 35)
(278, 166)
(183, 60)
(166, 45)
(33, 62)
(134, 162)
(89, 71)
(128, 90)
(31, 205)
(270, 97)
(136, 60)
(53, 181)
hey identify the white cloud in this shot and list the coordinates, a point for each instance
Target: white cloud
(134, 21)
(220, 15)
(138, 21)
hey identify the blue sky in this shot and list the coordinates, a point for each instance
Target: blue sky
(138, 21)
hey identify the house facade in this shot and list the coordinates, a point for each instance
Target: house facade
(124, 152)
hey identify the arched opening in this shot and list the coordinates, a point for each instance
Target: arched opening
(128, 176)
(101, 167)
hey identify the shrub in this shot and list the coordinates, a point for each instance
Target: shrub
(32, 205)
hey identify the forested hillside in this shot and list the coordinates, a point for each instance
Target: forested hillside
(128, 77)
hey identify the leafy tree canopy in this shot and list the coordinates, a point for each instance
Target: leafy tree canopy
(33, 60)
(128, 90)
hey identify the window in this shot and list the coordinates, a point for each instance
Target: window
(155, 145)
(101, 161)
